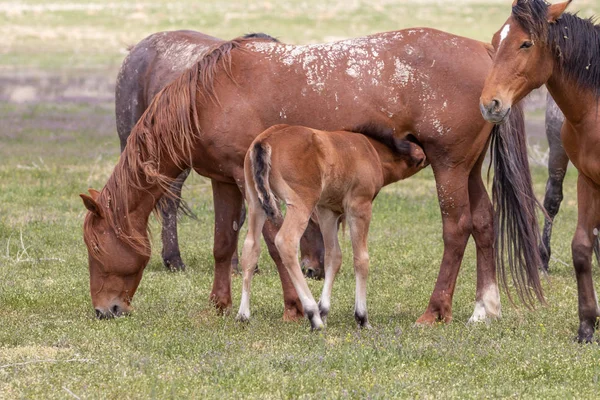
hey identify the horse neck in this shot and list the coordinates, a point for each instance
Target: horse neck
(135, 197)
(575, 102)
(388, 162)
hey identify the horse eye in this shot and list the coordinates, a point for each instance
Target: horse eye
(526, 44)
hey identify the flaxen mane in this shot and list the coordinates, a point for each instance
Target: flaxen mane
(165, 133)
(574, 41)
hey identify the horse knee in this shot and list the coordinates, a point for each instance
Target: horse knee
(581, 250)
(224, 248)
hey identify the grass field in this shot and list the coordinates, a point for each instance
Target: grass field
(57, 137)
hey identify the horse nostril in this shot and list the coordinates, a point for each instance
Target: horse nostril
(496, 105)
(99, 314)
(115, 310)
(310, 272)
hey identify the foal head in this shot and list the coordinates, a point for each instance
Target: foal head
(115, 263)
(524, 58)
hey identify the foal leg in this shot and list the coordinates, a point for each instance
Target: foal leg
(287, 242)
(293, 310)
(359, 218)
(227, 200)
(557, 168)
(453, 196)
(168, 209)
(328, 221)
(588, 219)
(487, 298)
(250, 254)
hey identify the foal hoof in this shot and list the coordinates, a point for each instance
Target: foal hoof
(242, 318)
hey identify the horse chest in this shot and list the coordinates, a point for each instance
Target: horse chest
(583, 151)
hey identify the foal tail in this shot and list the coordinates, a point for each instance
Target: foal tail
(260, 159)
(516, 227)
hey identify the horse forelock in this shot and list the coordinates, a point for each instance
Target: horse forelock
(574, 41)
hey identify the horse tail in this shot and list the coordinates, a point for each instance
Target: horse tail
(260, 159)
(516, 227)
(596, 246)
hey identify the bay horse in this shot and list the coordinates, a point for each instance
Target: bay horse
(150, 65)
(421, 83)
(333, 175)
(541, 44)
(558, 162)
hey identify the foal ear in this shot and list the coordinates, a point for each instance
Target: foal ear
(556, 10)
(94, 193)
(91, 205)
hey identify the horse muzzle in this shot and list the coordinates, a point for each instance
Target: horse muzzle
(494, 111)
(113, 311)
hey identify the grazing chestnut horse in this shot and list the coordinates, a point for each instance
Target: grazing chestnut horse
(418, 83)
(150, 65)
(333, 174)
(557, 168)
(540, 44)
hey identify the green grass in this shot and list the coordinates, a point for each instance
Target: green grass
(175, 345)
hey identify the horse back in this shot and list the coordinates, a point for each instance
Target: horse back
(321, 167)
(151, 65)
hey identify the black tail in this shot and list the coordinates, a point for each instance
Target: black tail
(261, 168)
(516, 227)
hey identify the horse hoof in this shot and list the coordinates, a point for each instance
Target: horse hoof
(293, 314)
(174, 264)
(223, 306)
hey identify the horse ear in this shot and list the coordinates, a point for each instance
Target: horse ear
(556, 10)
(91, 205)
(94, 193)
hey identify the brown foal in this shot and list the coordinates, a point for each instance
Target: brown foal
(333, 174)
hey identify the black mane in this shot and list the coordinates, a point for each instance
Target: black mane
(384, 135)
(260, 35)
(574, 41)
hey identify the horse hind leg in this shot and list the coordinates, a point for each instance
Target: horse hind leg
(250, 254)
(328, 222)
(287, 242)
(588, 220)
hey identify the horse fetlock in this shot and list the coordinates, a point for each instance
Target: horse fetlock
(222, 303)
(323, 309)
(362, 319)
(316, 323)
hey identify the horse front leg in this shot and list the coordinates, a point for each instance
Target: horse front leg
(453, 196)
(487, 297)
(171, 254)
(228, 202)
(557, 168)
(582, 246)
